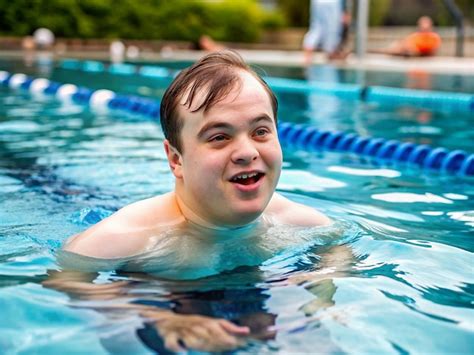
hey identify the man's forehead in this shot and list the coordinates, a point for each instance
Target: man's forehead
(227, 93)
(201, 93)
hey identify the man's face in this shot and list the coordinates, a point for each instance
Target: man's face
(231, 157)
(425, 24)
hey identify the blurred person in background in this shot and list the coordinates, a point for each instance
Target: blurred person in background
(117, 51)
(207, 43)
(424, 42)
(329, 21)
(43, 38)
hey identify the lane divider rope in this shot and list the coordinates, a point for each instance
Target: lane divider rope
(456, 162)
(82, 95)
(306, 137)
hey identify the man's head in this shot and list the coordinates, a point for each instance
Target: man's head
(216, 73)
(425, 24)
(222, 145)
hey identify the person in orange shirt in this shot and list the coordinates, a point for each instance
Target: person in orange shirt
(423, 42)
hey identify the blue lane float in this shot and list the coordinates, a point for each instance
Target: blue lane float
(154, 72)
(345, 91)
(436, 100)
(118, 68)
(455, 162)
(82, 95)
(122, 69)
(432, 100)
(71, 64)
(93, 66)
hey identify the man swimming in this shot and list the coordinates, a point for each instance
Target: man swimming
(219, 119)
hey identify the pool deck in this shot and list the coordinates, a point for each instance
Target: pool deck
(375, 62)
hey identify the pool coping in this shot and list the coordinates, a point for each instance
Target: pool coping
(371, 62)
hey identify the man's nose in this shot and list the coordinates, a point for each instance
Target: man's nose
(244, 153)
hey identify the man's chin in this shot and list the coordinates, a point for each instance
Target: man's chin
(243, 216)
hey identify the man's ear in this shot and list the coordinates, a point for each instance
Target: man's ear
(174, 159)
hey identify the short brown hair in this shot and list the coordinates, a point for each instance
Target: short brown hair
(218, 73)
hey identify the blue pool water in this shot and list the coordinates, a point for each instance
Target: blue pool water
(410, 290)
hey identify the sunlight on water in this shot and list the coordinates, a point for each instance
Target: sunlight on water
(365, 172)
(401, 197)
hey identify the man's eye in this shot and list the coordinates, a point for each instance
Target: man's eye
(261, 132)
(218, 138)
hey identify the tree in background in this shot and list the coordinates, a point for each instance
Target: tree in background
(295, 12)
(378, 11)
(385, 12)
(407, 12)
(226, 20)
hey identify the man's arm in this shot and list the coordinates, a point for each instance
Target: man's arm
(80, 284)
(335, 263)
(178, 331)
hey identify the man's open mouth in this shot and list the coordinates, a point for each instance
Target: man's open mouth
(247, 179)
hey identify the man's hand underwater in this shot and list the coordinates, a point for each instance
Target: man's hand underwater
(181, 332)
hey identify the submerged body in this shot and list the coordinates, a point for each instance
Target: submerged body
(187, 251)
(134, 230)
(177, 248)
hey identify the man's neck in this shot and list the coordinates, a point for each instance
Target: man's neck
(196, 220)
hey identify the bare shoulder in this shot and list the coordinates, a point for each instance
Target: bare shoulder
(289, 212)
(128, 230)
(149, 213)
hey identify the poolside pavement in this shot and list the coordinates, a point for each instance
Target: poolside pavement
(377, 62)
(371, 62)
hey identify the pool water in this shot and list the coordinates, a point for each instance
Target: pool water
(409, 290)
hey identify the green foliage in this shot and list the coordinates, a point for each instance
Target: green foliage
(385, 12)
(378, 12)
(226, 20)
(274, 20)
(467, 6)
(407, 12)
(239, 20)
(17, 17)
(296, 12)
(443, 17)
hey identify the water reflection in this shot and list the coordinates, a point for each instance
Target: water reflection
(216, 313)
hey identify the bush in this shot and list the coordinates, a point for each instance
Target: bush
(227, 20)
(295, 12)
(378, 12)
(274, 20)
(236, 21)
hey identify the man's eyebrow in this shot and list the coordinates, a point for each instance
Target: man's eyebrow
(263, 117)
(212, 125)
(221, 124)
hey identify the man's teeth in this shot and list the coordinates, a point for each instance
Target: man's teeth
(245, 176)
